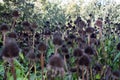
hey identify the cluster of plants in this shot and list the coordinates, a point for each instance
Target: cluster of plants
(74, 48)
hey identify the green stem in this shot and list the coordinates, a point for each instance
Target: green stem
(28, 72)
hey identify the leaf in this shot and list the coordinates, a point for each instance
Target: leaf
(97, 77)
(116, 57)
(21, 56)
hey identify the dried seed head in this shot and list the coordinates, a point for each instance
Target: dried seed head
(89, 50)
(26, 23)
(69, 43)
(25, 50)
(79, 22)
(98, 67)
(64, 50)
(71, 36)
(56, 61)
(11, 49)
(31, 55)
(67, 56)
(84, 60)
(89, 30)
(34, 25)
(42, 47)
(57, 34)
(99, 23)
(15, 13)
(78, 52)
(47, 32)
(12, 35)
(57, 41)
(93, 35)
(4, 27)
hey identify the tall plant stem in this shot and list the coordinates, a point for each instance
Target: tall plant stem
(33, 45)
(13, 69)
(83, 73)
(4, 37)
(87, 69)
(91, 74)
(5, 71)
(13, 25)
(35, 69)
(28, 73)
(42, 64)
(89, 39)
(65, 63)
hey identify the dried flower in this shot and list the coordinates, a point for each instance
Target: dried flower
(78, 52)
(15, 13)
(11, 49)
(42, 47)
(89, 50)
(4, 27)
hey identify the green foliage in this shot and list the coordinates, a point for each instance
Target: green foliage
(55, 13)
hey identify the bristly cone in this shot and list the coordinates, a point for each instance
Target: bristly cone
(11, 49)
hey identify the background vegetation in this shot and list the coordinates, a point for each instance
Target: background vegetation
(55, 16)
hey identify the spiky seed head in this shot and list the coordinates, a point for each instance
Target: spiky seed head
(12, 35)
(15, 13)
(89, 50)
(11, 49)
(42, 47)
(4, 27)
(77, 52)
(56, 61)
(84, 60)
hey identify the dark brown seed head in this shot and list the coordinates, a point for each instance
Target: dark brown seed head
(11, 49)
(57, 34)
(57, 41)
(69, 43)
(64, 49)
(31, 55)
(47, 32)
(4, 27)
(78, 52)
(93, 35)
(34, 25)
(42, 47)
(89, 30)
(56, 61)
(12, 35)
(71, 36)
(98, 67)
(118, 46)
(67, 56)
(26, 23)
(99, 23)
(15, 13)
(84, 60)
(89, 50)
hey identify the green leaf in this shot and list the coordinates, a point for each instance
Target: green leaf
(21, 56)
(116, 57)
(97, 76)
